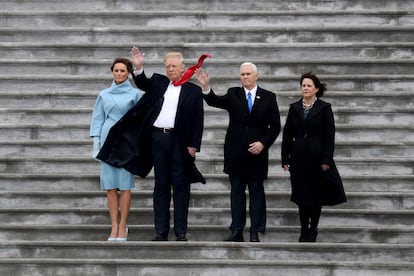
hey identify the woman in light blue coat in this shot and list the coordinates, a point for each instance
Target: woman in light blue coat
(111, 104)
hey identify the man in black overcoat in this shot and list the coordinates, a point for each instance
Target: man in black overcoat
(250, 134)
(163, 131)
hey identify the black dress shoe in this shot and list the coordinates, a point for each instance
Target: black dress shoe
(235, 236)
(159, 237)
(254, 237)
(181, 237)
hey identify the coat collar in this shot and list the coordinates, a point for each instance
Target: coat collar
(120, 88)
(242, 96)
(318, 106)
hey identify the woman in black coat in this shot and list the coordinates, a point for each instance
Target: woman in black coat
(307, 153)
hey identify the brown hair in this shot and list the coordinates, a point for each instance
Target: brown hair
(125, 61)
(316, 82)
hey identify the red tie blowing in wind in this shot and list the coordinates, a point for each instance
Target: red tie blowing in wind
(190, 71)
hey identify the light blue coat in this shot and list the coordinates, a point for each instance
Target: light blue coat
(111, 104)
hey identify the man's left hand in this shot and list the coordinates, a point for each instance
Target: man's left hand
(256, 148)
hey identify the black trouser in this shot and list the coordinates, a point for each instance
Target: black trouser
(309, 216)
(257, 204)
(169, 172)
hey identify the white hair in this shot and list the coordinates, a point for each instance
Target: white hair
(254, 67)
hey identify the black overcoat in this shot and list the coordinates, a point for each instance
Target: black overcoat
(262, 124)
(306, 145)
(128, 144)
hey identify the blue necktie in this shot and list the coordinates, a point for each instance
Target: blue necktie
(249, 101)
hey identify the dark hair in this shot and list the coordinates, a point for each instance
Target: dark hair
(316, 82)
(125, 61)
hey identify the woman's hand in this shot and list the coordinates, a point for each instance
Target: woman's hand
(192, 151)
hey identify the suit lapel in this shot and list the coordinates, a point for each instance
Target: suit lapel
(183, 95)
(243, 101)
(257, 99)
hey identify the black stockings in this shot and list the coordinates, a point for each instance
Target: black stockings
(309, 220)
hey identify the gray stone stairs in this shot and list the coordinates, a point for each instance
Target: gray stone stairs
(54, 59)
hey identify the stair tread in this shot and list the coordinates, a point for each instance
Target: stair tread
(363, 51)
(196, 262)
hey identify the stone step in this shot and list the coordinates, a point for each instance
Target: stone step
(212, 131)
(54, 219)
(200, 5)
(343, 115)
(352, 65)
(76, 165)
(94, 232)
(46, 148)
(220, 83)
(202, 18)
(263, 52)
(281, 34)
(218, 182)
(43, 132)
(83, 148)
(209, 250)
(206, 216)
(342, 148)
(50, 99)
(191, 266)
(199, 199)
(368, 100)
(346, 165)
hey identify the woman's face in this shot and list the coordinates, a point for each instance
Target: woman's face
(308, 89)
(120, 72)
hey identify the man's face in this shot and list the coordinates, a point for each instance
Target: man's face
(174, 68)
(248, 78)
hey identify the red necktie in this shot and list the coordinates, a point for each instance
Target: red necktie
(190, 71)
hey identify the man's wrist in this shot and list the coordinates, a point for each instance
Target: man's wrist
(137, 71)
(206, 91)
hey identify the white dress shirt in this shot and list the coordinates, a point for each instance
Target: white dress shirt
(253, 92)
(166, 118)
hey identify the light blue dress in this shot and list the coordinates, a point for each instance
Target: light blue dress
(111, 104)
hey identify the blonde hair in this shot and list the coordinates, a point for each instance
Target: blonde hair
(174, 55)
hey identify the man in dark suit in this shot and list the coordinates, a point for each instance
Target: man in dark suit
(176, 131)
(253, 127)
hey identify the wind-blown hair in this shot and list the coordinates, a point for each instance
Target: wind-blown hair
(316, 82)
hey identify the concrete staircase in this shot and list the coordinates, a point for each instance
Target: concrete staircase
(54, 59)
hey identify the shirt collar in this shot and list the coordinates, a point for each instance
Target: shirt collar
(253, 91)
